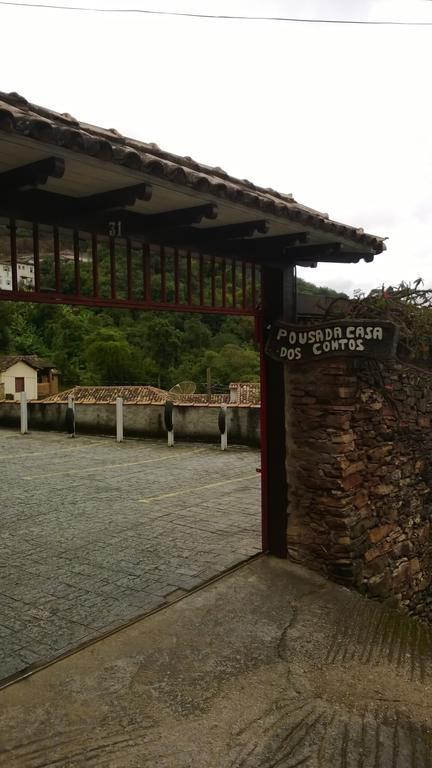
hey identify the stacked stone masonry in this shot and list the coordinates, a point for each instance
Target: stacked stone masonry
(359, 449)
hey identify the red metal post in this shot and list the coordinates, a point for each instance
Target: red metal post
(36, 262)
(129, 269)
(76, 250)
(189, 278)
(213, 281)
(253, 286)
(57, 273)
(201, 279)
(95, 265)
(259, 330)
(244, 285)
(163, 274)
(176, 276)
(278, 302)
(147, 274)
(13, 254)
(112, 267)
(223, 281)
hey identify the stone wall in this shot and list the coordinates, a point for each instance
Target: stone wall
(359, 449)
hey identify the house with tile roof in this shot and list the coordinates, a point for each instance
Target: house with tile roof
(131, 394)
(240, 394)
(31, 374)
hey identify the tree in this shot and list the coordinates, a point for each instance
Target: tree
(111, 359)
(24, 333)
(234, 363)
(316, 290)
(195, 335)
(163, 343)
(69, 331)
(7, 310)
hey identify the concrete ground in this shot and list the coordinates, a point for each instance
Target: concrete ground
(94, 533)
(268, 667)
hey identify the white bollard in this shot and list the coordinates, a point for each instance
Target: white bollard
(169, 422)
(24, 413)
(70, 416)
(224, 434)
(119, 419)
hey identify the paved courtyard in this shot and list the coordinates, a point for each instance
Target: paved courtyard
(94, 533)
(268, 667)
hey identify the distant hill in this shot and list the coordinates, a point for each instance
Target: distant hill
(314, 290)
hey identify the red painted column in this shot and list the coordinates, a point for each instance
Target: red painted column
(278, 302)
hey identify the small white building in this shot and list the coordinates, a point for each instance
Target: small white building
(25, 274)
(245, 392)
(29, 374)
(18, 377)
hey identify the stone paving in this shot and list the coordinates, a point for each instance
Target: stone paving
(94, 533)
(268, 667)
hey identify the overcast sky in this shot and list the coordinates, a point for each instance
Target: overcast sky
(339, 115)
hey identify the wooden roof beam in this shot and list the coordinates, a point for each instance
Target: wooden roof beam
(180, 217)
(32, 175)
(40, 203)
(160, 226)
(217, 234)
(326, 253)
(114, 198)
(63, 205)
(261, 246)
(344, 258)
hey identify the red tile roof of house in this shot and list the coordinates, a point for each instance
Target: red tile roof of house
(138, 395)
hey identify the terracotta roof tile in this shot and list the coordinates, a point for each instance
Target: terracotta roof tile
(145, 395)
(131, 394)
(39, 363)
(19, 116)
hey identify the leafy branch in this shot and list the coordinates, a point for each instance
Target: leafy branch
(407, 305)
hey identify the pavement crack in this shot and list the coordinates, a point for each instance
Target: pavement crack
(281, 642)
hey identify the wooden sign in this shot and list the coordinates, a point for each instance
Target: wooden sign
(345, 338)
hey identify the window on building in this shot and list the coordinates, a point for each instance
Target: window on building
(19, 383)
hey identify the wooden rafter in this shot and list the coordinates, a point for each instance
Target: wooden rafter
(39, 203)
(342, 257)
(298, 253)
(226, 231)
(114, 198)
(180, 217)
(326, 253)
(31, 175)
(158, 226)
(264, 245)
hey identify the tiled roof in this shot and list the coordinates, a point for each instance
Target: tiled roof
(137, 395)
(38, 363)
(19, 116)
(143, 395)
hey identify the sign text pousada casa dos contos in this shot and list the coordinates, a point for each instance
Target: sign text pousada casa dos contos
(353, 338)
